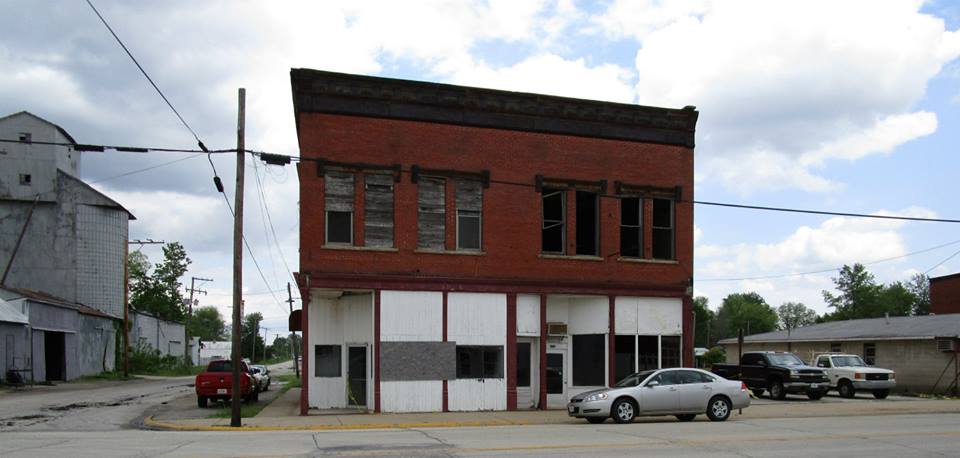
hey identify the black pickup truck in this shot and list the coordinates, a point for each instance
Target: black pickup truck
(777, 372)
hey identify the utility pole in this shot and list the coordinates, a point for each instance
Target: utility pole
(238, 260)
(293, 346)
(186, 335)
(253, 346)
(126, 299)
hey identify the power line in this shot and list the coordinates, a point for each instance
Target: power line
(941, 262)
(85, 147)
(273, 231)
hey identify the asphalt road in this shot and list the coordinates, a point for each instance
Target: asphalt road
(874, 436)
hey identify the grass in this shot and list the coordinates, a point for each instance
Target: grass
(177, 371)
(115, 375)
(248, 410)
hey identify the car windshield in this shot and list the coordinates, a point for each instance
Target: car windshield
(848, 361)
(785, 359)
(634, 379)
(220, 366)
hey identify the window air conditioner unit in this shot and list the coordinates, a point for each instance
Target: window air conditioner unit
(946, 345)
(556, 329)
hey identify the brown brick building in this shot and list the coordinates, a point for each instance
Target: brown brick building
(945, 294)
(475, 249)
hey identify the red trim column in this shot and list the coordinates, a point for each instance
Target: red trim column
(543, 352)
(511, 352)
(305, 351)
(446, 395)
(687, 326)
(612, 344)
(376, 350)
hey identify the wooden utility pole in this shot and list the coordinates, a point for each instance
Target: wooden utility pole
(126, 310)
(238, 260)
(293, 344)
(186, 335)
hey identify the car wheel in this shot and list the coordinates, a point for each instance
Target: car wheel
(718, 409)
(624, 411)
(881, 394)
(815, 395)
(202, 402)
(686, 416)
(777, 391)
(596, 420)
(757, 392)
(846, 389)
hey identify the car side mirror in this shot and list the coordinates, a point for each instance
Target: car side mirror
(652, 384)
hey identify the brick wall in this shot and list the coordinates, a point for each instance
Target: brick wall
(945, 294)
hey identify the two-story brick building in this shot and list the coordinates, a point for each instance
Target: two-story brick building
(474, 249)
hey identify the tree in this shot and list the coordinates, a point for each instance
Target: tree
(250, 339)
(793, 315)
(207, 324)
(894, 299)
(704, 319)
(747, 311)
(919, 285)
(858, 293)
(158, 292)
(715, 355)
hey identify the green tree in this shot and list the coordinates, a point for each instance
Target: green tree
(919, 285)
(747, 311)
(858, 293)
(715, 355)
(704, 320)
(895, 299)
(207, 324)
(250, 339)
(158, 292)
(793, 315)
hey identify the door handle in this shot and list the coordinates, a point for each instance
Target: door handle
(673, 389)
(706, 387)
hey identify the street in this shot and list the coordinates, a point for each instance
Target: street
(876, 436)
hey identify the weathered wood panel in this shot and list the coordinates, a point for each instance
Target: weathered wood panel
(423, 396)
(431, 213)
(378, 210)
(469, 195)
(411, 316)
(477, 319)
(338, 191)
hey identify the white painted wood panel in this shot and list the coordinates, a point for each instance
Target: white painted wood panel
(420, 396)
(659, 315)
(625, 315)
(411, 316)
(477, 318)
(325, 329)
(557, 309)
(528, 315)
(589, 315)
(357, 315)
(465, 395)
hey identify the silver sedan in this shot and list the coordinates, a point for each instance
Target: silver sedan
(683, 392)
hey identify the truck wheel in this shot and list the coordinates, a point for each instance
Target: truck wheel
(776, 390)
(815, 395)
(202, 402)
(881, 394)
(718, 409)
(846, 389)
(624, 411)
(757, 392)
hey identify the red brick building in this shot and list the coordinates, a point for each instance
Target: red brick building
(945, 294)
(475, 249)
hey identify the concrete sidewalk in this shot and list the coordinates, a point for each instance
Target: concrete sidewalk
(283, 415)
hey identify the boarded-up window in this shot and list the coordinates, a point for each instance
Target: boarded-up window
(378, 210)
(663, 229)
(631, 225)
(327, 360)
(588, 223)
(431, 205)
(469, 208)
(338, 202)
(554, 219)
(589, 352)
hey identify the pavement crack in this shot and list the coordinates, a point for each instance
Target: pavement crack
(430, 436)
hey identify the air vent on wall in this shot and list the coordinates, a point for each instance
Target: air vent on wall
(556, 329)
(946, 345)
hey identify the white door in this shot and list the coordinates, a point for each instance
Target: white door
(556, 379)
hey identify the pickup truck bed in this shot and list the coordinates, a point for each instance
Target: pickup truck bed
(216, 383)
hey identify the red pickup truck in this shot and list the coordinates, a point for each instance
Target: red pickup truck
(217, 383)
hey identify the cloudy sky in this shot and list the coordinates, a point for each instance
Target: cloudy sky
(835, 105)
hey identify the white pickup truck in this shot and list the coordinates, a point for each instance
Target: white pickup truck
(849, 374)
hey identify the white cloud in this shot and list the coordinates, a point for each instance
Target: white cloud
(885, 135)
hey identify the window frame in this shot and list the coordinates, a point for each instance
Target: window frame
(872, 359)
(463, 213)
(654, 228)
(596, 222)
(351, 203)
(562, 223)
(639, 226)
(337, 350)
(443, 207)
(367, 204)
(482, 351)
(592, 374)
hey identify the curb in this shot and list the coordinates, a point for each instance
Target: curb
(157, 424)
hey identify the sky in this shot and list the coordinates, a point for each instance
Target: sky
(848, 106)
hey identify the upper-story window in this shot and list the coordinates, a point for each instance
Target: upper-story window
(26, 137)
(663, 229)
(338, 203)
(554, 220)
(588, 223)
(469, 200)
(378, 210)
(631, 227)
(431, 213)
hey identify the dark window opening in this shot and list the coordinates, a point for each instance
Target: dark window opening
(431, 213)
(670, 351)
(554, 220)
(469, 198)
(378, 210)
(625, 356)
(588, 223)
(631, 225)
(588, 359)
(648, 350)
(479, 361)
(870, 353)
(26, 137)
(663, 221)
(25, 179)
(338, 203)
(327, 360)
(523, 363)
(835, 347)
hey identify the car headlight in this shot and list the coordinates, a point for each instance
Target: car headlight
(794, 373)
(596, 397)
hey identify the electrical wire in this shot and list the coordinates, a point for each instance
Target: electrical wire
(273, 231)
(941, 262)
(121, 149)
